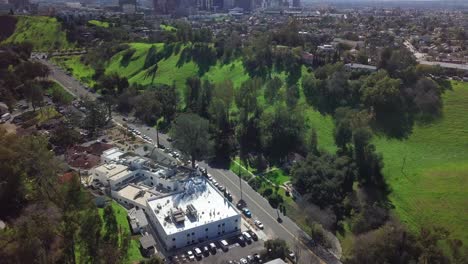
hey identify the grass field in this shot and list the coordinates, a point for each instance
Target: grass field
(168, 70)
(428, 172)
(98, 23)
(277, 176)
(80, 71)
(44, 33)
(134, 254)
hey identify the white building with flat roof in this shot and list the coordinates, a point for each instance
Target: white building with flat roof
(197, 213)
(113, 175)
(111, 155)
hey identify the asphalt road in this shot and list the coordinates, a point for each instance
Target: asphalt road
(298, 240)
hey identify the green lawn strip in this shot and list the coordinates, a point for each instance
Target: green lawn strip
(75, 67)
(43, 32)
(98, 23)
(428, 172)
(277, 176)
(134, 254)
(56, 87)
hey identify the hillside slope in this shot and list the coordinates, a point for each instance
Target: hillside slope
(44, 33)
(428, 172)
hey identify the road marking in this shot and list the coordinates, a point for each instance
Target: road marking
(253, 200)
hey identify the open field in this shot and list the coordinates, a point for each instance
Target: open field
(44, 33)
(428, 172)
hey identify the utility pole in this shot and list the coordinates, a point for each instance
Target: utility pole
(240, 181)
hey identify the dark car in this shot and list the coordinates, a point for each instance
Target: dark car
(241, 204)
(206, 250)
(253, 235)
(241, 240)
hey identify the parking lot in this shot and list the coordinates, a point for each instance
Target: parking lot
(234, 252)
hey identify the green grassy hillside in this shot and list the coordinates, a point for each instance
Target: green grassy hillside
(80, 71)
(428, 172)
(43, 32)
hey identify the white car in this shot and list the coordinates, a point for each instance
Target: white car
(190, 255)
(258, 224)
(243, 261)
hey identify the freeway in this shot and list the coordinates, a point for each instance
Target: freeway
(297, 239)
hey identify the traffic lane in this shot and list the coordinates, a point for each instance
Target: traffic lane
(262, 210)
(145, 130)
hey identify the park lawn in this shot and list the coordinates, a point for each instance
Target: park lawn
(168, 71)
(134, 254)
(233, 71)
(43, 32)
(79, 70)
(277, 176)
(98, 23)
(433, 189)
(135, 64)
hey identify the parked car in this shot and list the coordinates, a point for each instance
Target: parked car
(241, 240)
(197, 252)
(243, 261)
(258, 224)
(291, 256)
(213, 248)
(206, 250)
(253, 235)
(224, 245)
(247, 237)
(257, 258)
(190, 255)
(247, 212)
(241, 204)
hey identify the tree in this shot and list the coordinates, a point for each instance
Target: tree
(275, 248)
(281, 131)
(111, 86)
(426, 96)
(33, 94)
(64, 136)
(111, 226)
(368, 162)
(193, 94)
(90, 233)
(292, 96)
(96, 116)
(148, 108)
(388, 244)
(191, 136)
(325, 179)
(272, 89)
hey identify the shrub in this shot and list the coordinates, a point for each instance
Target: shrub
(267, 192)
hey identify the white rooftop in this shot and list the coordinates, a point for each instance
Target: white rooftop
(113, 171)
(112, 154)
(137, 194)
(209, 203)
